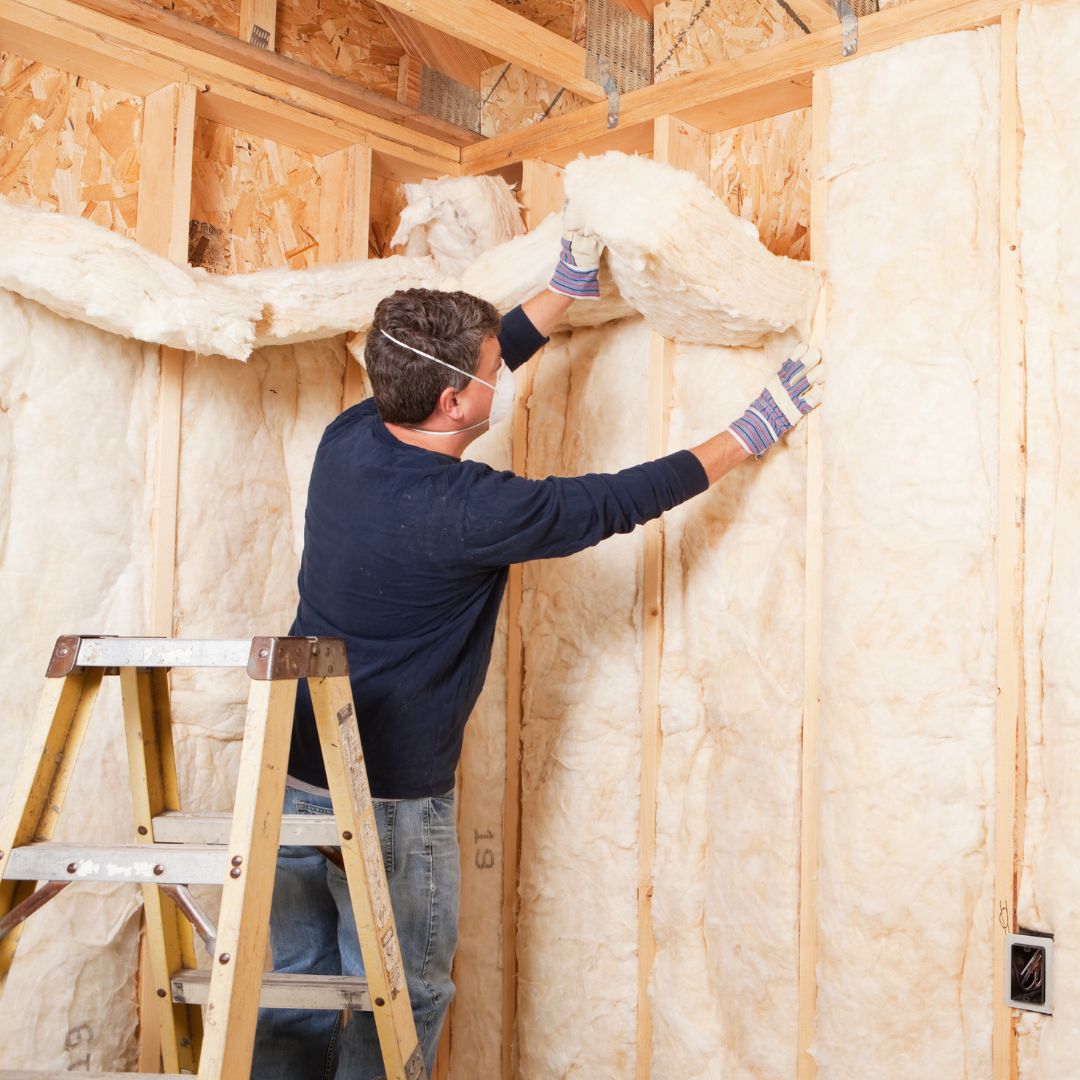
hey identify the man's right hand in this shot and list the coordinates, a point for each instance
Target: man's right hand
(790, 394)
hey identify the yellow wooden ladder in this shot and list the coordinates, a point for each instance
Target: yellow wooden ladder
(207, 1019)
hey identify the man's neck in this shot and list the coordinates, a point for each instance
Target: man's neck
(448, 445)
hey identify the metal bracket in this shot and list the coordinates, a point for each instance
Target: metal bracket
(607, 84)
(849, 26)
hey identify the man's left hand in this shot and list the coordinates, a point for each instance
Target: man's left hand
(578, 272)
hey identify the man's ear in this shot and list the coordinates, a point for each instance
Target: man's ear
(448, 403)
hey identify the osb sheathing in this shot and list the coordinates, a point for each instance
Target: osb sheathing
(68, 144)
(343, 38)
(689, 34)
(762, 172)
(263, 198)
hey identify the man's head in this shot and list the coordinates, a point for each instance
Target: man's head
(450, 325)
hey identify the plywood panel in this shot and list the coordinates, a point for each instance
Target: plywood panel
(512, 98)
(691, 34)
(260, 197)
(68, 144)
(761, 171)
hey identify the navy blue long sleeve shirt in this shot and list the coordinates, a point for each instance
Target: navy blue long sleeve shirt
(406, 555)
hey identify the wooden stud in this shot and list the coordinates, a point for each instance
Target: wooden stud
(258, 23)
(244, 922)
(503, 33)
(164, 210)
(814, 599)
(344, 226)
(1011, 757)
(162, 227)
(683, 147)
(410, 72)
(724, 95)
(541, 195)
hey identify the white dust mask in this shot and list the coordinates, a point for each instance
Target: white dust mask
(502, 401)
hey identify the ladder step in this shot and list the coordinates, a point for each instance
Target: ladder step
(307, 830)
(162, 864)
(333, 992)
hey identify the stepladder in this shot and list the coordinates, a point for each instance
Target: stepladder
(206, 1018)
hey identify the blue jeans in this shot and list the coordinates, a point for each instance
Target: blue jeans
(312, 931)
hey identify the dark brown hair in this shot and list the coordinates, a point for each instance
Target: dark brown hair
(449, 325)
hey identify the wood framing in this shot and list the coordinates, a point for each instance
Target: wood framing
(684, 147)
(162, 227)
(721, 96)
(541, 195)
(164, 209)
(1010, 765)
(496, 30)
(440, 51)
(814, 14)
(344, 225)
(814, 600)
(241, 86)
(258, 23)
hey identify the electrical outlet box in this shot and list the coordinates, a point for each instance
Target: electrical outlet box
(1029, 971)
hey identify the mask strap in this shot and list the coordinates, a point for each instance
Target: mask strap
(435, 359)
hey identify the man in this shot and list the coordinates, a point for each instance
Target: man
(406, 550)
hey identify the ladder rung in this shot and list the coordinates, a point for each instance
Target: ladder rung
(334, 992)
(176, 827)
(163, 864)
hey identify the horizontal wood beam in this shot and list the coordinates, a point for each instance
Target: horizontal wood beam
(814, 14)
(138, 48)
(725, 95)
(496, 30)
(455, 59)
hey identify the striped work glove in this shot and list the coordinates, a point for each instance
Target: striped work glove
(790, 394)
(578, 272)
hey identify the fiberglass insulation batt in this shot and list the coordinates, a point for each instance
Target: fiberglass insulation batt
(581, 730)
(1049, 86)
(726, 883)
(77, 439)
(909, 437)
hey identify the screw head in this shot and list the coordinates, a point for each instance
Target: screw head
(159, 870)
(235, 872)
(237, 860)
(62, 651)
(224, 958)
(264, 653)
(72, 867)
(161, 993)
(142, 830)
(380, 1002)
(346, 836)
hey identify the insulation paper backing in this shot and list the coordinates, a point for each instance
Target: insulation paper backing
(908, 655)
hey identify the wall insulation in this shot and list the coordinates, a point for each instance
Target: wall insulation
(77, 440)
(726, 890)
(1049, 85)
(581, 736)
(908, 654)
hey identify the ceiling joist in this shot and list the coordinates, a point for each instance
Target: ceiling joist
(760, 84)
(455, 59)
(507, 35)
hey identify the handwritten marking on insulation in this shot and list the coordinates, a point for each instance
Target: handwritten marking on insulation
(79, 1038)
(484, 857)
